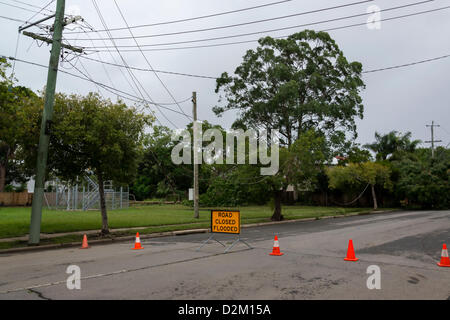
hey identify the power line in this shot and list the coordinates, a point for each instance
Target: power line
(133, 98)
(22, 8)
(407, 64)
(162, 104)
(150, 70)
(114, 59)
(51, 12)
(253, 22)
(194, 18)
(133, 77)
(122, 93)
(258, 32)
(13, 19)
(117, 50)
(148, 63)
(40, 11)
(214, 78)
(445, 130)
(33, 6)
(86, 74)
(15, 55)
(104, 68)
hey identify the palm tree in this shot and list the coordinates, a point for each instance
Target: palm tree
(392, 144)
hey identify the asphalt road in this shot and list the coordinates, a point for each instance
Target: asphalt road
(405, 245)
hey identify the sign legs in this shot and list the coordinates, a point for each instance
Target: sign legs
(235, 242)
(207, 240)
(227, 249)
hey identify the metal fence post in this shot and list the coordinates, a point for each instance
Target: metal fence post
(121, 198)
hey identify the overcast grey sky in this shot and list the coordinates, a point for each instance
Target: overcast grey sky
(404, 99)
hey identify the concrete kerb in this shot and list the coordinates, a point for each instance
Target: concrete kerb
(173, 233)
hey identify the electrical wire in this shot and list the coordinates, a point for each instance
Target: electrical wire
(133, 77)
(115, 61)
(88, 75)
(12, 19)
(104, 68)
(40, 11)
(33, 6)
(354, 200)
(254, 22)
(445, 130)
(150, 70)
(15, 55)
(407, 64)
(214, 78)
(196, 18)
(116, 49)
(148, 63)
(118, 92)
(25, 9)
(258, 32)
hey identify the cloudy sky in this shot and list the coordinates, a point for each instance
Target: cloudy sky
(402, 99)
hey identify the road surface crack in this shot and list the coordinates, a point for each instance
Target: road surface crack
(40, 295)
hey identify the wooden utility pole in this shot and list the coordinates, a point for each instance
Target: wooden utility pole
(432, 137)
(44, 138)
(196, 158)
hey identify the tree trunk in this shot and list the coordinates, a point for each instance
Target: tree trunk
(374, 196)
(105, 228)
(277, 216)
(3, 168)
(2, 177)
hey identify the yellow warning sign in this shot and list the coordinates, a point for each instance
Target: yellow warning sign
(223, 221)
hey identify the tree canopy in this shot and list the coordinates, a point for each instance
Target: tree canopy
(91, 134)
(19, 112)
(296, 84)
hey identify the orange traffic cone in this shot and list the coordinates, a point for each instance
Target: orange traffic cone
(85, 243)
(276, 248)
(137, 243)
(350, 252)
(445, 260)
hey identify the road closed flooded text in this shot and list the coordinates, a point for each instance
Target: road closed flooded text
(225, 221)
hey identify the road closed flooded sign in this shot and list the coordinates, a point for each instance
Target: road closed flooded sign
(223, 221)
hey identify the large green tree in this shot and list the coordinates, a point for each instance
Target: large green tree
(295, 85)
(19, 113)
(91, 134)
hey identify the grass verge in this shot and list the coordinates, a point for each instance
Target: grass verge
(14, 222)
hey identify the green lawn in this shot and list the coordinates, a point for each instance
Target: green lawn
(15, 221)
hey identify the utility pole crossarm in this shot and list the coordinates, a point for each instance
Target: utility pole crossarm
(50, 41)
(37, 22)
